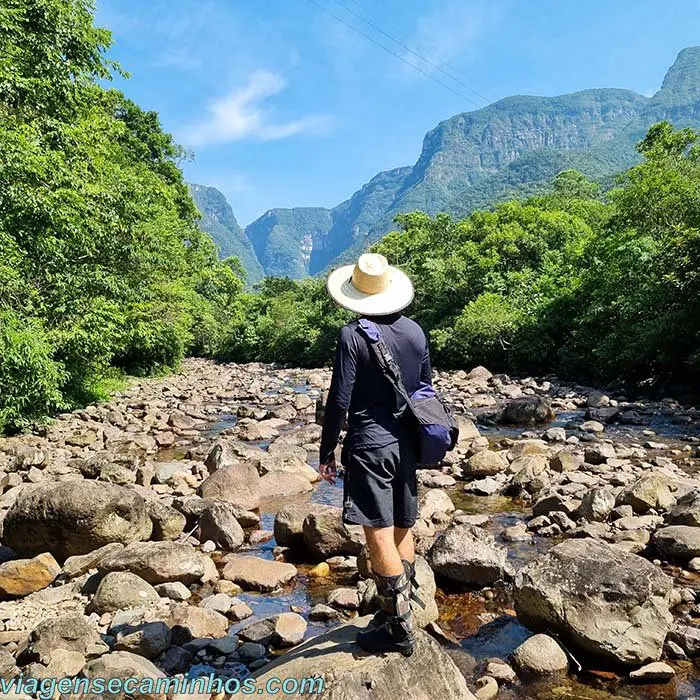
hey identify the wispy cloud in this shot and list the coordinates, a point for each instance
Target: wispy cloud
(241, 115)
(450, 31)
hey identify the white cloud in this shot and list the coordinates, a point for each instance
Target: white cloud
(240, 115)
(450, 31)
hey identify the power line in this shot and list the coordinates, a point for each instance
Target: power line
(491, 95)
(437, 66)
(393, 53)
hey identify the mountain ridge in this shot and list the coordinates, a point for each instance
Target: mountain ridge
(512, 147)
(219, 221)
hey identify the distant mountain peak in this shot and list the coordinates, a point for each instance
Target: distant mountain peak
(219, 221)
(683, 77)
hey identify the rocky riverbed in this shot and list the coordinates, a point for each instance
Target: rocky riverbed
(181, 528)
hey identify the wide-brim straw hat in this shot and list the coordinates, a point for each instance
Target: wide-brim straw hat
(371, 287)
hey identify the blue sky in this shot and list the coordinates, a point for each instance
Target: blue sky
(284, 105)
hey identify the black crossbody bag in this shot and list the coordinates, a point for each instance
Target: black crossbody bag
(435, 428)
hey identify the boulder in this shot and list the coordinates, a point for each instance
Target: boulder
(277, 484)
(290, 459)
(218, 523)
(168, 523)
(592, 426)
(289, 523)
(226, 452)
(189, 622)
(70, 632)
(237, 483)
(687, 510)
(622, 617)
(468, 432)
(326, 535)
(157, 562)
(540, 655)
(289, 629)
(653, 673)
(66, 520)
(596, 505)
(193, 507)
(344, 597)
(485, 463)
(347, 673)
(254, 573)
(79, 565)
(24, 576)
(434, 502)
(63, 664)
(468, 554)
(174, 590)
(124, 664)
(565, 461)
(120, 590)
(283, 630)
(650, 491)
(528, 410)
(150, 639)
(678, 541)
(599, 453)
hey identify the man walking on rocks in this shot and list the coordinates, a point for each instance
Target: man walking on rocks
(379, 452)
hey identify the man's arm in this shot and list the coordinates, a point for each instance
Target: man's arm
(344, 370)
(426, 371)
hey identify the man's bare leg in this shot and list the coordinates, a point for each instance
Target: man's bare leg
(383, 552)
(403, 539)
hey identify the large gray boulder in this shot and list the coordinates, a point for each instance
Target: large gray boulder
(219, 524)
(678, 541)
(237, 483)
(289, 522)
(687, 510)
(123, 664)
(70, 632)
(67, 519)
(649, 491)
(326, 535)
(598, 598)
(157, 562)
(528, 410)
(349, 674)
(468, 554)
(120, 590)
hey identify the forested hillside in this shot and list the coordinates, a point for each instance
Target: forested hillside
(102, 266)
(219, 221)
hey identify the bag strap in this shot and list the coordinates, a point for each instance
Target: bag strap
(390, 367)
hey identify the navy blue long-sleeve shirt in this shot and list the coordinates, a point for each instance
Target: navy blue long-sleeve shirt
(360, 389)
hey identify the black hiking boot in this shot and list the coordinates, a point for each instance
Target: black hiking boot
(395, 632)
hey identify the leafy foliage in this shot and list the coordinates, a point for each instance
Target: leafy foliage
(566, 281)
(101, 261)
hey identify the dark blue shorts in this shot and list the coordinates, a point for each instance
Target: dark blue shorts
(379, 488)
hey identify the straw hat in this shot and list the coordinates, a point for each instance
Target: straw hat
(372, 287)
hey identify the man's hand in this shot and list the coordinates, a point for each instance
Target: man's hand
(329, 471)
